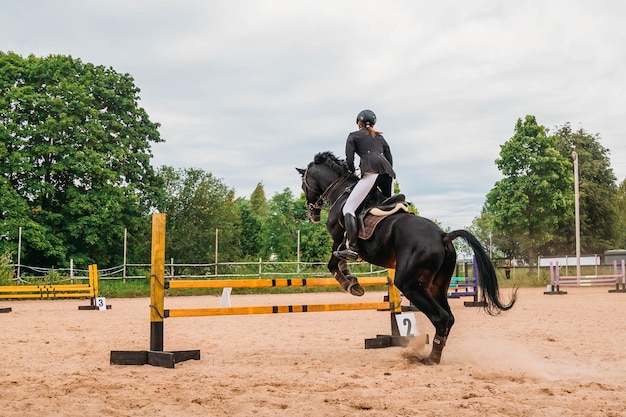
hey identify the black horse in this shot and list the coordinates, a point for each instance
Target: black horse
(422, 254)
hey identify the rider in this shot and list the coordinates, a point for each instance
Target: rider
(376, 164)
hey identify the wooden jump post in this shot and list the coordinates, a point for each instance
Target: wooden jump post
(158, 357)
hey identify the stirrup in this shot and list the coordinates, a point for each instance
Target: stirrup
(346, 254)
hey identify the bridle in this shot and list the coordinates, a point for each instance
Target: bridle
(319, 203)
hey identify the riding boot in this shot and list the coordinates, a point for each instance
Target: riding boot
(351, 251)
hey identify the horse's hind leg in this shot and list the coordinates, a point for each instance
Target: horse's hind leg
(441, 335)
(439, 293)
(424, 288)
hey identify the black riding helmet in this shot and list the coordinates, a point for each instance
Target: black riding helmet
(367, 117)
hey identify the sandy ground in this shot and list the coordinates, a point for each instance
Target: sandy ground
(549, 356)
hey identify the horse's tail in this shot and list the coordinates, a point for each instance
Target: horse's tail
(487, 279)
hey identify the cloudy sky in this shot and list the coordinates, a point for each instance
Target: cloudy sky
(248, 90)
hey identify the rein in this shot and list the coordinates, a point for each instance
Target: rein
(329, 190)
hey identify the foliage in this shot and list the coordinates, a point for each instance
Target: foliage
(253, 213)
(250, 241)
(258, 202)
(197, 204)
(75, 173)
(527, 204)
(315, 241)
(597, 190)
(482, 227)
(280, 234)
(7, 274)
(620, 221)
(74, 158)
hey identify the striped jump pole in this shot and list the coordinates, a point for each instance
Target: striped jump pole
(269, 283)
(158, 285)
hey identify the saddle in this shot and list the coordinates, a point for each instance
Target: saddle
(370, 216)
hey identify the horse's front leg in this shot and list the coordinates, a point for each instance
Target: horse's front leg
(340, 270)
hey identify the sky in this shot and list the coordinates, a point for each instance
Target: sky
(250, 90)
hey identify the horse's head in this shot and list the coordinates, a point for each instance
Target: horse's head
(317, 179)
(312, 193)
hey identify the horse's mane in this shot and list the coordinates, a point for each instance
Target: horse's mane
(330, 160)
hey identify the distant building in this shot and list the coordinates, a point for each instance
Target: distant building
(618, 255)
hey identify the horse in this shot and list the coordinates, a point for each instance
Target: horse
(421, 253)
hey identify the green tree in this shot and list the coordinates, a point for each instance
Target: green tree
(250, 242)
(620, 223)
(254, 215)
(258, 202)
(536, 191)
(196, 204)
(75, 151)
(281, 228)
(597, 190)
(497, 244)
(315, 241)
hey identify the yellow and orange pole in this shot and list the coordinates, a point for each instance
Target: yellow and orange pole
(157, 282)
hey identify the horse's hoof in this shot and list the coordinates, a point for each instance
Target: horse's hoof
(428, 362)
(356, 290)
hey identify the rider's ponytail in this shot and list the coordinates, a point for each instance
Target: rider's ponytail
(373, 132)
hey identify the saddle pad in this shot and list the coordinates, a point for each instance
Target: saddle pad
(373, 217)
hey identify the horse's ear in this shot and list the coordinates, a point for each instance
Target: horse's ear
(301, 171)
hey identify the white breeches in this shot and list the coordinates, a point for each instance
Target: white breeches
(359, 192)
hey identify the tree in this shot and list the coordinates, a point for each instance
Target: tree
(281, 228)
(250, 242)
(253, 214)
(75, 150)
(315, 241)
(597, 190)
(620, 222)
(258, 202)
(196, 204)
(537, 188)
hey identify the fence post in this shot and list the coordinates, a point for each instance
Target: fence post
(216, 249)
(539, 268)
(125, 246)
(19, 254)
(298, 255)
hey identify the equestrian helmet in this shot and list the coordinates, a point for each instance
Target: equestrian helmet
(367, 117)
